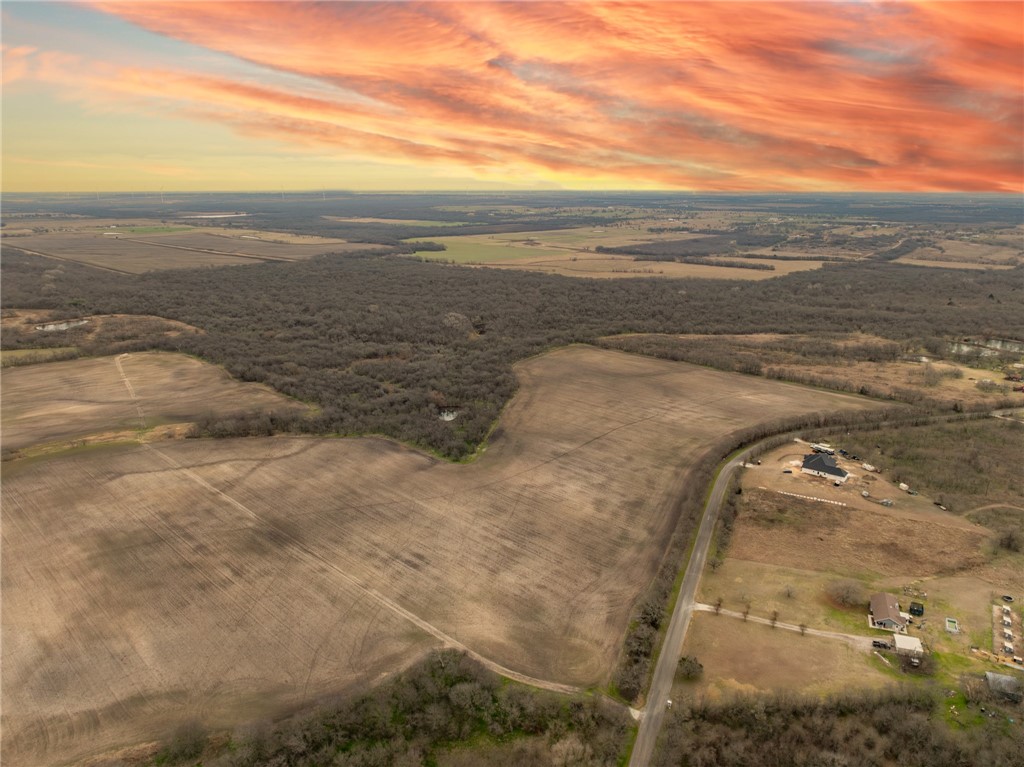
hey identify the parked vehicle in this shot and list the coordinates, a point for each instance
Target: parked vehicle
(881, 644)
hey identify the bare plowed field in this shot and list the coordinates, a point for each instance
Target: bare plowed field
(66, 400)
(144, 251)
(226, 580)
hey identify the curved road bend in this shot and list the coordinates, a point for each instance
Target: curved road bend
(671, 649)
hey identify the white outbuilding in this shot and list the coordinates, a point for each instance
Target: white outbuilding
(906, 645)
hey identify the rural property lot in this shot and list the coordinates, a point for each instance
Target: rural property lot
(67, 400)
(161, 581)
(743, 656)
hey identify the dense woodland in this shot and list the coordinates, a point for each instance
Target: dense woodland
(381, 344)
(862, 729)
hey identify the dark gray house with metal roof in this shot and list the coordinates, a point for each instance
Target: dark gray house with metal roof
(821, 465)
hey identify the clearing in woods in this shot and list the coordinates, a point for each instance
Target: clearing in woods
(227, 580)
(76, 399)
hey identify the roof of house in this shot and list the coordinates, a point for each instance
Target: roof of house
(823, 463)
(908, 643)
(884, 606)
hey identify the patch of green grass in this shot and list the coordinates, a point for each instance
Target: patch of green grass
(11, 357)
(955, 663)
(154, 229)
(470, 250)
(853, 621)
(956, 713)
(891, 669)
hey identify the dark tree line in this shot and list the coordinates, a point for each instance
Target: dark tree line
(444, 701)
(869, 729)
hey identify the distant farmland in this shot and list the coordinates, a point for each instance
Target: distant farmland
(572, 252)
(229, 580)
(143, 249)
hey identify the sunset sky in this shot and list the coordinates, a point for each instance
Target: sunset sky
(730, 96)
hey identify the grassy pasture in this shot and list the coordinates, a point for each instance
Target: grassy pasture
(396, 221)
(13, 356)
(232, 579)
(750, 657)
(855, 540)
(68, 400)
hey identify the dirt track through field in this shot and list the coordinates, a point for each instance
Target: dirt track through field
(229, 580)
(376, 596)
(858, 642)
(131, 390)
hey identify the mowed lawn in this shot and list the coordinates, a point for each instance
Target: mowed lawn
(227, 580)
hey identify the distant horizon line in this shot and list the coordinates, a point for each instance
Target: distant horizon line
(492, 192)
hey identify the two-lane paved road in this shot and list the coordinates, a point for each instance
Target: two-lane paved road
(664, 671)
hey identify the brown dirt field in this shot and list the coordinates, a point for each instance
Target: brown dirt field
(889, 376)
(603, 267)
(232, 579)
(936, 263)
(978, 252)
(257, 245)
(778, 529)
(120, 255)
(747, 657)
(135, 253)
(70, 400)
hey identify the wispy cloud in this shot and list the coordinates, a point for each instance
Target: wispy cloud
(914, 96)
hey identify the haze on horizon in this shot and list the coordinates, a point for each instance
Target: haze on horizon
(713, 96)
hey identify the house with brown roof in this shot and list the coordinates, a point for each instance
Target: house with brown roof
(885, 613)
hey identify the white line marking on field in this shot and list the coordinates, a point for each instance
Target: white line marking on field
(811, 498)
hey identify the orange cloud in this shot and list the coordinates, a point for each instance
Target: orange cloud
(921, 96)
(17, 62)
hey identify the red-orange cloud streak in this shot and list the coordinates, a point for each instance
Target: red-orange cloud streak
(892, 96)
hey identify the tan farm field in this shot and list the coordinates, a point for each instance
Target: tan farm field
(227, 580)
(62, 401)
(154, 248)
